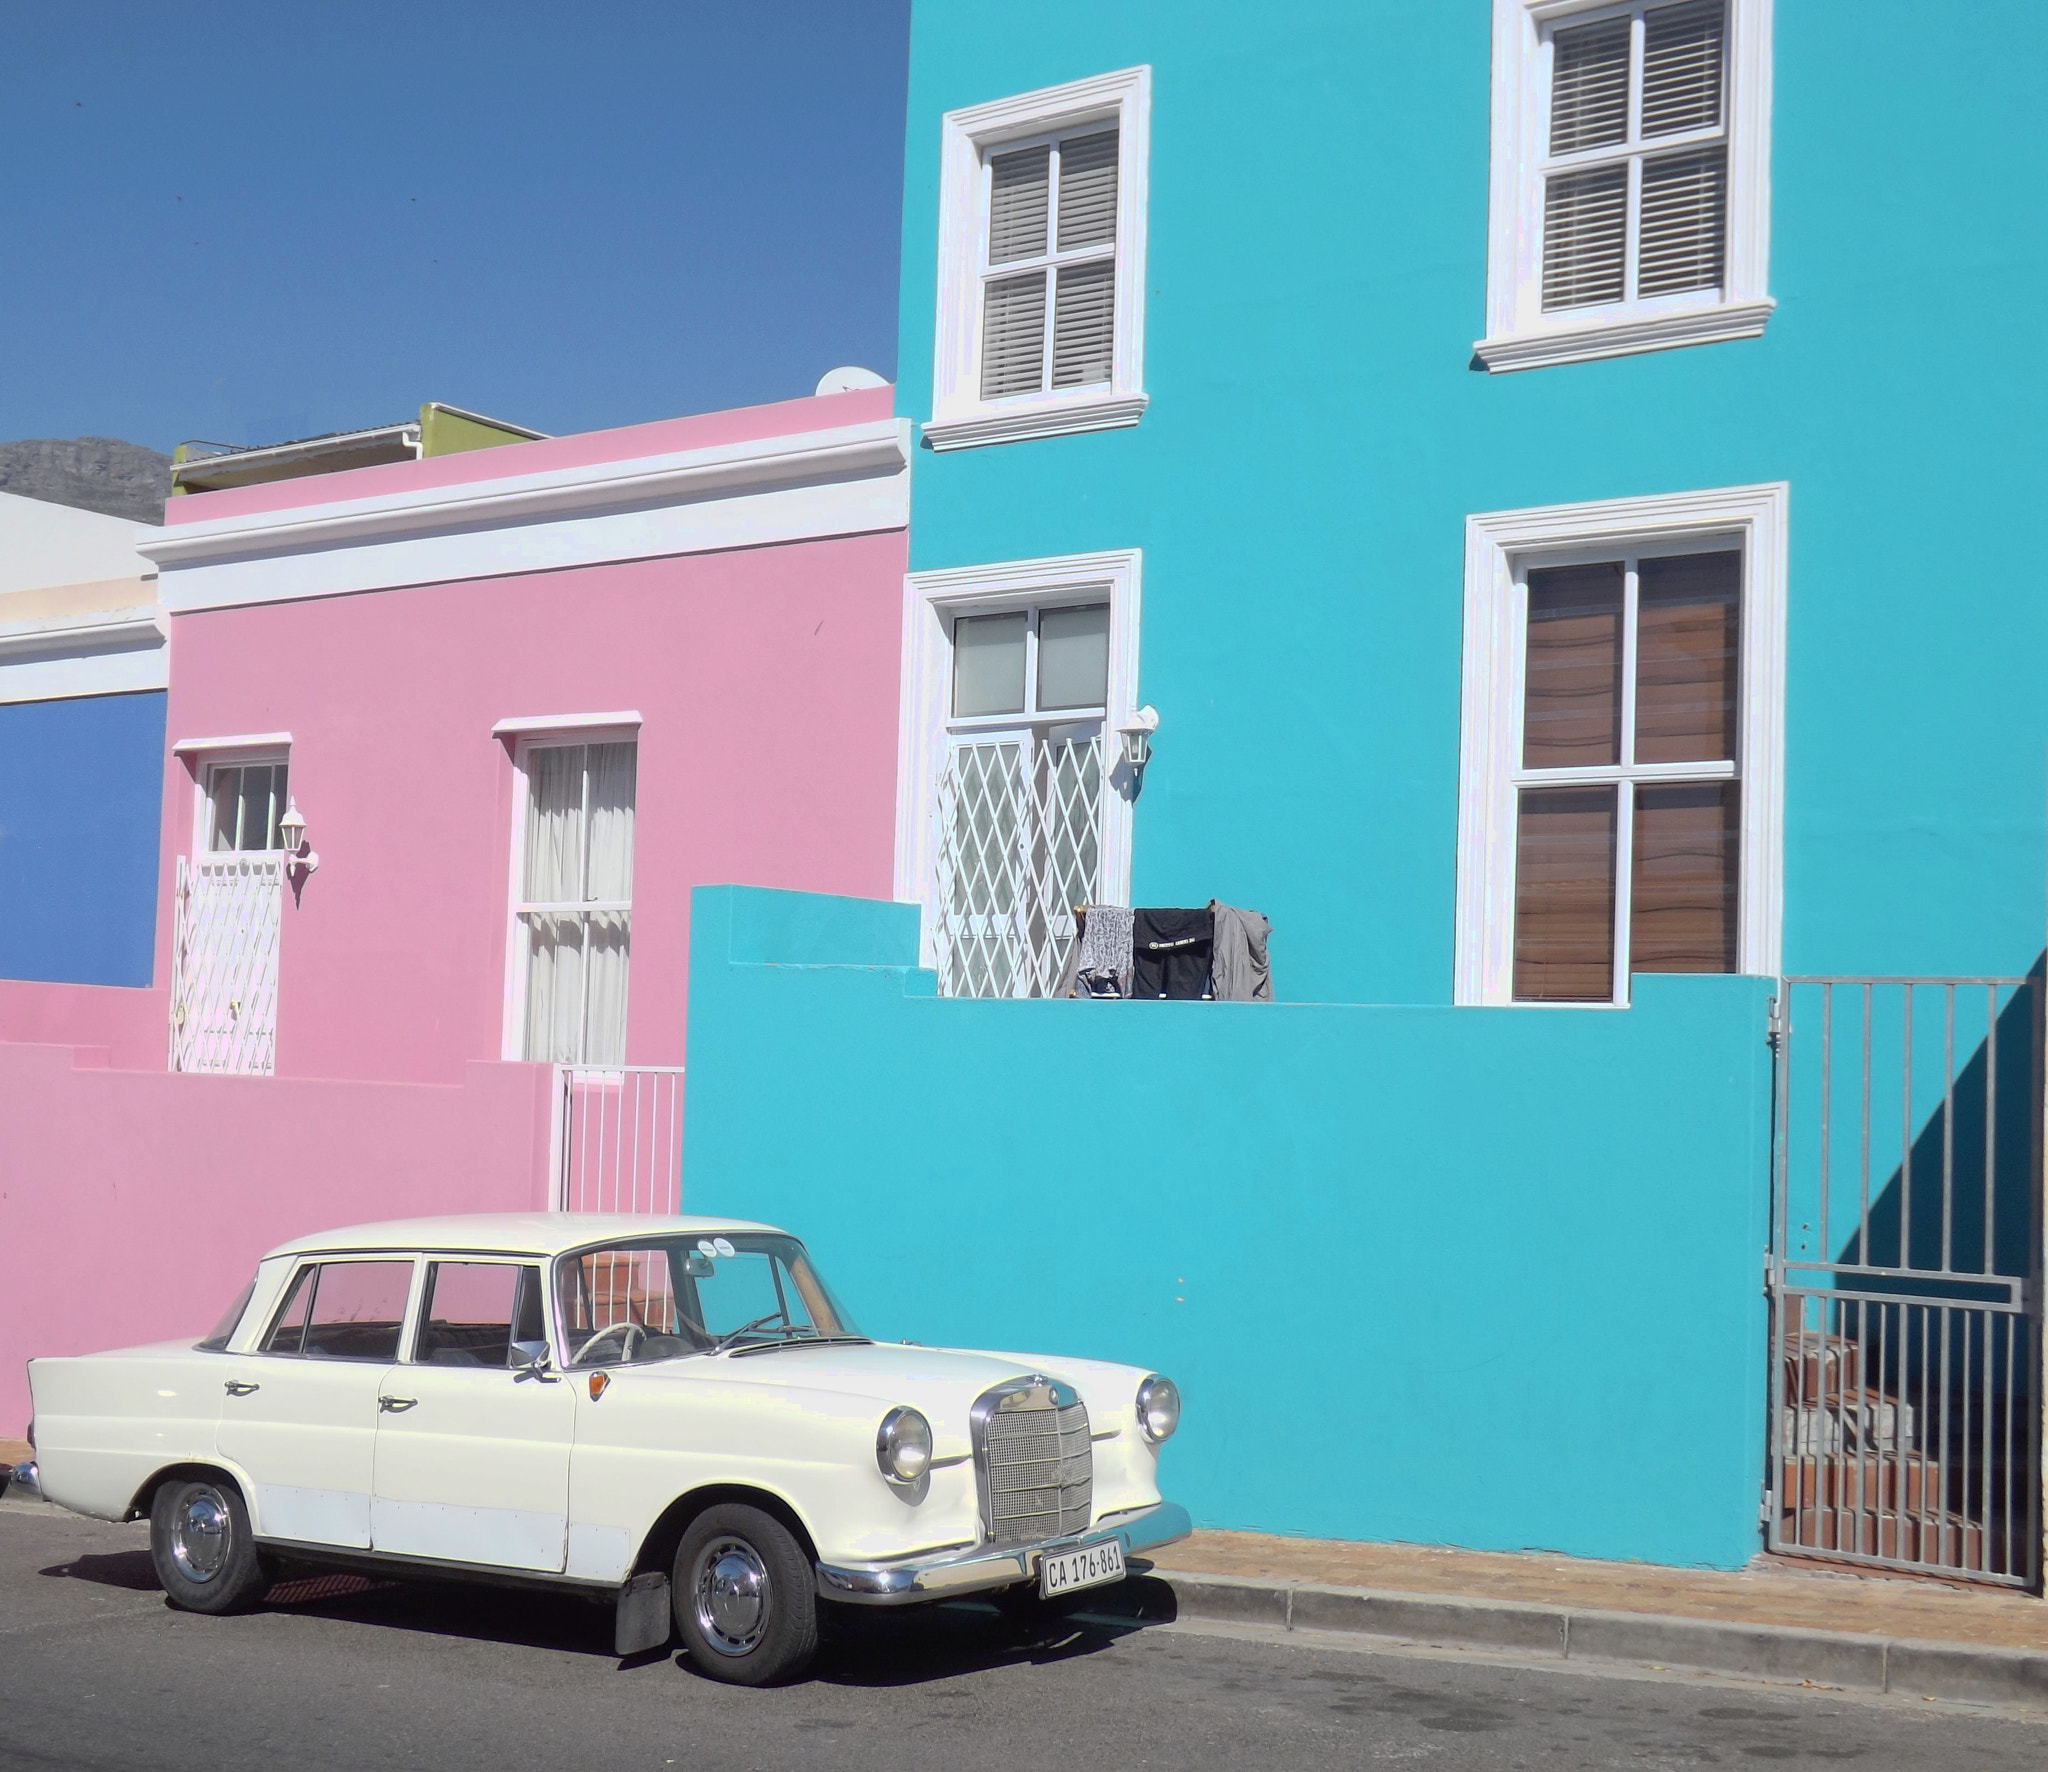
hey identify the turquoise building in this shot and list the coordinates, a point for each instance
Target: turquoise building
(1541, 482)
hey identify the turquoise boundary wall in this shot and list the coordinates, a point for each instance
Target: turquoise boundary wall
(1471, 1276)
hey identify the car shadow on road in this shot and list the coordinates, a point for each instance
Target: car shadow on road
(124, 1569)
(861, 1647)
(882, 1648)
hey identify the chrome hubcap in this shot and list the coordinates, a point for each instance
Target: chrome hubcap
(731, 1595)
(201, 1537)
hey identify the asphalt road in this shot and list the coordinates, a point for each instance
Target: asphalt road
(95, 1671)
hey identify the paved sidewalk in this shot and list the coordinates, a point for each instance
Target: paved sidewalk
(1776, 1621)
(1778, 1593)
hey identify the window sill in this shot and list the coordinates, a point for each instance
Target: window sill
(1064, 419)
(1625, 337)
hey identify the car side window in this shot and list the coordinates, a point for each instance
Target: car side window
(476, 1310)
(343, 1310)
(288, 1334)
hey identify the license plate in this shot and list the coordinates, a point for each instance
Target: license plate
(1061, 1572)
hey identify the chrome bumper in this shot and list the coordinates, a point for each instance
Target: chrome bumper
(947, 1573)
(23, 1476)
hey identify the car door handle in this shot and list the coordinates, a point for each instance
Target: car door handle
(396, 1405)
(240, 1387)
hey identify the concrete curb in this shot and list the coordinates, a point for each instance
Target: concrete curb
(1770, 1652)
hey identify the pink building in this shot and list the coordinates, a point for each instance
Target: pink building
(450, 740)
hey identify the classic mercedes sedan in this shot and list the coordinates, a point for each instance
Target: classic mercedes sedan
(670, 1415)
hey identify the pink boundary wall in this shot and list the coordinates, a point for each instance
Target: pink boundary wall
(133, 1207)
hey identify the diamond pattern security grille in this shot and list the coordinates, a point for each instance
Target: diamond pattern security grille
(1019, 845)
(224, 964)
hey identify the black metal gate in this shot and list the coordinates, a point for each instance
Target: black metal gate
(1905, 1275)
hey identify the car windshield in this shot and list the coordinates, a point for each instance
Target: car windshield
(662, 1298)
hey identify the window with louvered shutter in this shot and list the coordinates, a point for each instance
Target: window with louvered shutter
(1049, 276)
(1628, 796)
(1635, 178)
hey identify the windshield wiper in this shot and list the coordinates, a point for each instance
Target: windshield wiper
(770, 1347)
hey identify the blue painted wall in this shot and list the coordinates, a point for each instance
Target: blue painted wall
(1317, 261)
(1490, 1277)
(1424, 1274)
(81, 791)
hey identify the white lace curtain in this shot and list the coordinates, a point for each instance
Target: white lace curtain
(576, 901)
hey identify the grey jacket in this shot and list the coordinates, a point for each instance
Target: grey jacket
(1239, 968)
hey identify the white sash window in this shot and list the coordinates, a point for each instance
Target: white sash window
(572, 913)
(1630, 203)
(1041, 280)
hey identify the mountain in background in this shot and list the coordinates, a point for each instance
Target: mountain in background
(90, 474)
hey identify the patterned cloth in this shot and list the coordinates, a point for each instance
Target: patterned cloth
(1102, 957)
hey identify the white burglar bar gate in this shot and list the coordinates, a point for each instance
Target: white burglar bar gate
(1019, 827)
(618, 1138)
(224, 963)
(1905, 1275)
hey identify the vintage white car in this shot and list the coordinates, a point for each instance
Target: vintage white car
(671, 1414)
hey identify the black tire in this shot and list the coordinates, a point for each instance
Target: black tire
(203, 1547)
(746, 1597)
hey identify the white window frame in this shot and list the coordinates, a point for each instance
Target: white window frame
(961, 418)
(1519, 335)
(528, 736)
(1500, 546)
(232, 755)
(932, 601)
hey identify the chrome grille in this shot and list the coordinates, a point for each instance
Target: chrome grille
(1035, 1462)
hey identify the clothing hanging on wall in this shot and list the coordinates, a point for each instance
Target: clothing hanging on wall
(1239, 969)
(1170, 953)
(1100, 965)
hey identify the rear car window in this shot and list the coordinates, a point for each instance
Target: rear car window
(224, 1330)
(476, 1310)
(343, 1310)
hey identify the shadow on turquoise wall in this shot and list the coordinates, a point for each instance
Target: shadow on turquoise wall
(81, 790)
(1484, 1277)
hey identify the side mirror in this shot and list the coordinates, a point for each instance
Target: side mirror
(529, 1359)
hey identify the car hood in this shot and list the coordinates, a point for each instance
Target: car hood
(942, 1382)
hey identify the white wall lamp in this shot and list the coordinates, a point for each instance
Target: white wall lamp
(1136, 732)
(299, 860)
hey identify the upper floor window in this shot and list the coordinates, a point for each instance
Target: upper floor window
(1630, 177)
(1042, 264)
(572, 911)
(1621, 776)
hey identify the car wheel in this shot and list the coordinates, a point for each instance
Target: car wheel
(746, 1597)
(204, 1550)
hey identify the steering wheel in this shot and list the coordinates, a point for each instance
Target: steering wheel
(630, 1337)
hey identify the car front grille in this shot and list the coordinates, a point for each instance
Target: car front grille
(1036, 1464)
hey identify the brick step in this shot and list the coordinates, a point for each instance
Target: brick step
(1861, 1421)
(1940, 1539)
(1818, 1365)
(1882, 1482)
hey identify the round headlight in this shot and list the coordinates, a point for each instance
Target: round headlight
(1158, 1408)
(903, 1445)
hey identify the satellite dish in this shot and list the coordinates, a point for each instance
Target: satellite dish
(847, 377)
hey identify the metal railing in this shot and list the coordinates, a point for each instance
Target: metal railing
(618, 1138)
(1904, 1275)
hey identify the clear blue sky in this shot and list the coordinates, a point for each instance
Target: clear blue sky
(246, 221)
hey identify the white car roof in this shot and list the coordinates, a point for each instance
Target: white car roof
(511, 1233)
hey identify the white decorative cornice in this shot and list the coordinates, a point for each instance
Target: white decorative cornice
(728, 470)
(850, 480)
